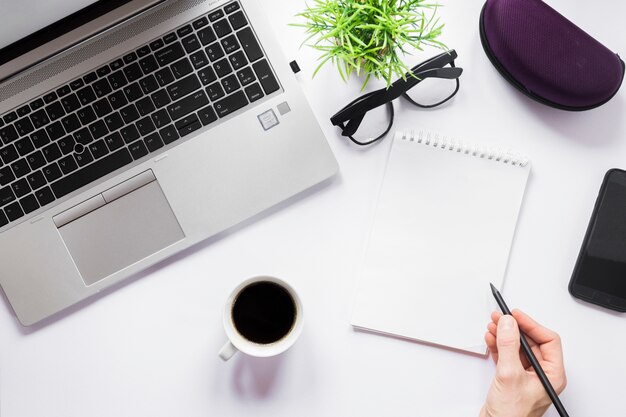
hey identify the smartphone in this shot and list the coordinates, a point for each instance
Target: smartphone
(600, 273)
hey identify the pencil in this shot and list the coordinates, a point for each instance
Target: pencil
(532, 358)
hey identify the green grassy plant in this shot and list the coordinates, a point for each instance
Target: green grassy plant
(369, 36)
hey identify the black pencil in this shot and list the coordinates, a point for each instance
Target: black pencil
(532, 358)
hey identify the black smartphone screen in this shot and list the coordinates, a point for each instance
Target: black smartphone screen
(600, 273)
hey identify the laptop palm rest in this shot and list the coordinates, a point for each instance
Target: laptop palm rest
(122, 231)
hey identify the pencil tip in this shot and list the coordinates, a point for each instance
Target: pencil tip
(493, 289)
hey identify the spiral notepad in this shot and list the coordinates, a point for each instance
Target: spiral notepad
(442, 230)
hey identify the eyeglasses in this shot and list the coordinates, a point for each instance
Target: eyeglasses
(441, 67)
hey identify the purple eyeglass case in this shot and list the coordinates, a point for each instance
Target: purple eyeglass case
(547, 57)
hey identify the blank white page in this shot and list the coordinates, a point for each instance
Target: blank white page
(443, 230)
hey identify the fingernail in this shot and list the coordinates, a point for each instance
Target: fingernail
(506, 322)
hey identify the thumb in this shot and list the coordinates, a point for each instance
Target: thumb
(508, 342)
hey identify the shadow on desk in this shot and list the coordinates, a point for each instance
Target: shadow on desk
(324, 185)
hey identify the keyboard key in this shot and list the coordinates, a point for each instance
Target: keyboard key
(20, 188)
(20, 168)
(39, 119)
(170, 37)
(183, 87)
(44, 196)
(6, 175)
(145, 106)
(164, 77)
(160, 98)
(84, 157)
(230, 44)
(187, 105)
(24, 146)
(10, 117)
(86, 115)
(200, 23)
(117, 80)
(29, 204)
(181, 68)
(216, 15)
(3, 219)
(114, 121)
(114, 141)
(230, 104)
(55, 130)
(24, 126)
(76, 84)
(103, 71)
(143, 51)
(70, 103)
(149, 64)
(187, 125)
(222, 28)
(98, 149)
(238, 60)
(36, 180)
(184, 31)
(98, 129)
(130, 133)
(237, 20)
(51, 152)
(265, 76)
(156, 45)
(8, 154)
(68, 164)
(83, 136)
(102, 107)
(133, 92)
(145, 126)
(153, 142)
(199, 59)
(8, 134)
(130, 57)
(133, 72)
(207, 75)
(169, 134)
(102, 87)
(222, 67)
(250, 44)
(55, 110)
(85, 96)
(6, 196)
(191, 43)
(207, 36)
(230, 84)
(231, 7)
(214, 51)
(63, 91)
(118, 100)
(254, 92)
(149, 84)
(37, 104)
(170, 54)
(71, 123)
(89, 78)
(161, 118)
(23, 111)
(40, 138)
(129, 113)
(138, 149)
(36, 160)
(246, 76)
(52, 172)
(48, 98)
(207, 115)
(215, 91)
(14, 211)
(66, 145)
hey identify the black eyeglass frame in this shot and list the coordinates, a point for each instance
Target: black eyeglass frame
(350, 117)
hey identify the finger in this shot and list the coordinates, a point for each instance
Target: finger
(491, 344)
(508, 344)
(495, 316)
(549, 341)
(493, 329)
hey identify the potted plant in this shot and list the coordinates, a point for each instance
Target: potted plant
(368, 37)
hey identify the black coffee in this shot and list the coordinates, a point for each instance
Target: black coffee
(264, 312)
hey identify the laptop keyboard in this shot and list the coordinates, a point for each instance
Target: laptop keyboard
(129, 108)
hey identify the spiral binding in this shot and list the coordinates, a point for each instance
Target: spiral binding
(444, 142)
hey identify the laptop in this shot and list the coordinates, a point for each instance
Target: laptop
(133, 129)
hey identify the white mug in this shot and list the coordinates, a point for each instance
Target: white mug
(236, 342)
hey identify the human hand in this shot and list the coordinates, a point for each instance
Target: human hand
(516, 390)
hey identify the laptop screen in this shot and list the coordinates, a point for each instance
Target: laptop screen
(28, 24)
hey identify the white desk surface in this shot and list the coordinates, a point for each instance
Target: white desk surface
(149, 347)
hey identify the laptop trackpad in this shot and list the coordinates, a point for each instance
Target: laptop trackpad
(121, 233)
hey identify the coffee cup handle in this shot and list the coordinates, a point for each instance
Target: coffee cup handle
(227, 351)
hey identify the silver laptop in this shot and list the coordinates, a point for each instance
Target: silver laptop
(133, 129)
